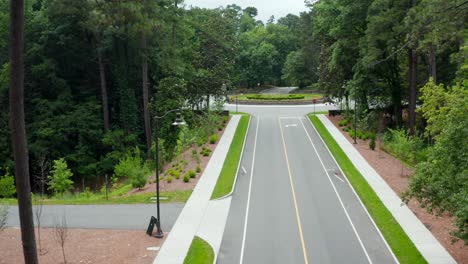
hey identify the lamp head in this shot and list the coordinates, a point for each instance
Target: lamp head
(178, 121)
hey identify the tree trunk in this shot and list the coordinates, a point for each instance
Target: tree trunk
(413, 64)
(433, 63)
(144, 74)
(18, 131)
(105, 104)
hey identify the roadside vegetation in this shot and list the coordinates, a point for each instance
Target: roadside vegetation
(227, 176)
(200, 252)
(276, 97)
(401, 245)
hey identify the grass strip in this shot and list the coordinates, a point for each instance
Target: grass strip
(276, 97)
(200, 252)
(399, 242)
(228, 172)
(80, 199)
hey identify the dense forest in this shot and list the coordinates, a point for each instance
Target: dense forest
(97, 70)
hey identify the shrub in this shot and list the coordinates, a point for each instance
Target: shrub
(7, 186)
(410, 149)
(169, 179)
(275, 97)
(351, 133)
(191, 174)
(213, 138)
(194, 152)
(133, 167)
(343, 122)
(220, 128)
(186, 178)
(225, 119)
(173, 173)
(198, 169)
(59, 180)
(372, 144)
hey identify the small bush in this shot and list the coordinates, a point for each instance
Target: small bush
(194, 152)
(343, 122)
(59, 180)
(138, 179)
(191, 174)
(169, 179)
(186, 178)
(410, 149)
(372, 144)
(220, 128)
(346, 129)
(198, 169)
(225, 119)
(133, 167)
(351, 133)
(174, 173)
(213, 138)
(7, 186)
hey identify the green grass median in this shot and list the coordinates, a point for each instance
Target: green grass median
(399, 242)
(228, 172)
(200, 252)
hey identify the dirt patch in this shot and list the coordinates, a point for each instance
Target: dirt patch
(83, 246)
(396, 174)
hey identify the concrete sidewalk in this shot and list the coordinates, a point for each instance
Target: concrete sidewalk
(178, 242)
(422, 238)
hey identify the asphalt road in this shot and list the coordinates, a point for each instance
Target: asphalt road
(293, 205)
(122, 216)
(279, 90)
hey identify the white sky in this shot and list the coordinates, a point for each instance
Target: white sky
(266, 8)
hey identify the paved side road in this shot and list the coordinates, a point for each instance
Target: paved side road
(120, 216)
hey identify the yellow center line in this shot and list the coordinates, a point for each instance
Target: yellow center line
(291, 181)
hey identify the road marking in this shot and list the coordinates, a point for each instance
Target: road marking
(248, 196)
(336, 173)
(338, 195)
(244, 170)
(357, 196)
(298, 218)
(291, 125)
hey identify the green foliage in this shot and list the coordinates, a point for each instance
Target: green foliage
(59, 179)
(191, 174)
(169, 179)
(174, 173)
(7, 186)
(213, 138)
(441, 183)
(410, 149)
(132, 166)
(275, 97)
(186, 178)
(206, 151)
(344, 122)
(372, 144)
(198, 169)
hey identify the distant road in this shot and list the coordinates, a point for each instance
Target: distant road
(119, 216)
(279, 90)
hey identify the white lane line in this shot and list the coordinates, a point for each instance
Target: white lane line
(357, 196)
(248, 196)
(335, 173)
(244, 170)
(338, 195)
(291, 125)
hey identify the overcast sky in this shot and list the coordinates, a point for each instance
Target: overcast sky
(266, 8)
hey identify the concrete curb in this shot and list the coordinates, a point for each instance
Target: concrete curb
(177, 244)
(238, 166)
(422, 238)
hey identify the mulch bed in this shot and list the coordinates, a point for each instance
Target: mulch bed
(396, 174)
(83, 246)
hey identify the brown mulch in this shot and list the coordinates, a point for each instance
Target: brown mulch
(396, 174)
(83, 246)
(179, 184)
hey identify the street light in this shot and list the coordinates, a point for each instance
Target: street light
(355, 115)
(178, 122)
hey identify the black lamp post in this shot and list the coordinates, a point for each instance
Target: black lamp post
(355, 115)
(178, 122)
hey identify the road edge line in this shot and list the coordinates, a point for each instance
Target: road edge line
(249, 194)
(337, 194)
(355, 193)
